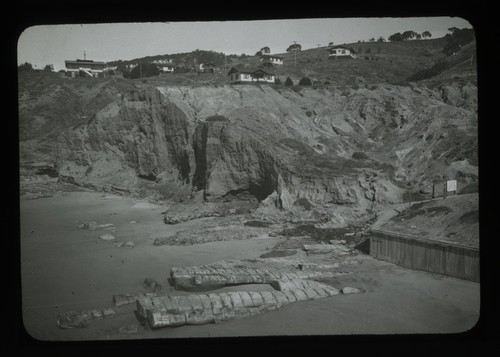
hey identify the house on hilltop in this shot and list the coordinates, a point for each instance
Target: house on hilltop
(264, 59)
(162, 61)
(84, 68)
(250, 75)
(166, 68)
(341, 52)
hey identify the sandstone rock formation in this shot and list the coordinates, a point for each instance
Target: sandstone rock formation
(168, 311)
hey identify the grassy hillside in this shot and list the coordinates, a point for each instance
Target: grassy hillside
(463, 64)
(377, 62)
(384, 62)
(455, 220)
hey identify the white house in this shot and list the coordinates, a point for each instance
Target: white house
(338, 52)
(249, 75)
(166, 68)
(163, 61)
(271, 59)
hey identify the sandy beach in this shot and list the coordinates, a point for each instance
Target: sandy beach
(64, 268)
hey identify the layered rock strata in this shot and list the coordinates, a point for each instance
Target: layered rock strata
(208, 277)
(79, 319)
(169, 311)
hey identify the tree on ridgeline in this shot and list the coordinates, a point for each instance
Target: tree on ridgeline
(26, 66)
(408, 35)
(396, 37)
(456, 39)
(144, 70)
(381, 39)
(294, 47)
(48, 68)
(426, 34)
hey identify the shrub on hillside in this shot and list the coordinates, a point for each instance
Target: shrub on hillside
(217, 118)
(358, 155)
(259, 224)
(288, 82)
(304, 81)
(277, 81)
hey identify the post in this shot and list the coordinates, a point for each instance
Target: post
(445, 190)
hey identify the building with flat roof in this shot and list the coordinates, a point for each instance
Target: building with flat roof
(85, 68)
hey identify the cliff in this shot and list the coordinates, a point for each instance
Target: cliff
(354, 146)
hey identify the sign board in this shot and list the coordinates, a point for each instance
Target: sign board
(451, 185)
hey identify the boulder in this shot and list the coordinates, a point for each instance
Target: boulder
(151, 285)
(107, 237)
(88, 225)
(350, 290)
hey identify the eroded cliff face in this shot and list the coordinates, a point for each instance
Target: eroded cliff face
(351, 147)
(133, 139)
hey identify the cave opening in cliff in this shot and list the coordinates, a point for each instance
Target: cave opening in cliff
(263, 188)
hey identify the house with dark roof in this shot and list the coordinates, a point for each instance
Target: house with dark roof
(250, 75)
(340, 52)
(85, 68)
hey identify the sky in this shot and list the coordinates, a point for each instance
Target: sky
(52, 44)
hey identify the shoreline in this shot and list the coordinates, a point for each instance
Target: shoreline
(63, 267)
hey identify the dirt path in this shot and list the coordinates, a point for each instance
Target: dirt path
(65, 268)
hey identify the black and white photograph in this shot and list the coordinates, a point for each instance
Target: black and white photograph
(248, 178)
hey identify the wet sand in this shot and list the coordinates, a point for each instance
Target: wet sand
(64, 268)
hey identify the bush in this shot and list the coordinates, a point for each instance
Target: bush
(217, 118)
(358, 155)
(288, 82)
(277, 81)
(259, 224)
(304, 81)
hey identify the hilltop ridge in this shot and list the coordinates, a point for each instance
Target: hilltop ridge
(376, 62)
